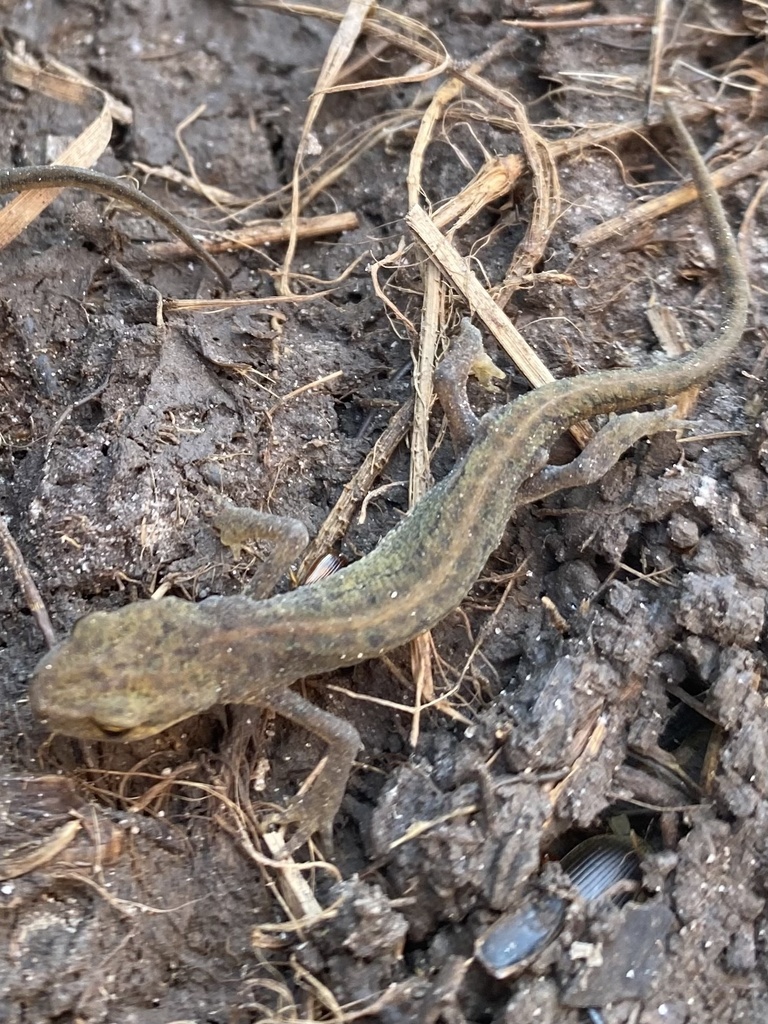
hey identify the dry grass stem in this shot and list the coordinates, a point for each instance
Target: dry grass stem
(298, 897)
(420, 828)
(661, 206)
(546, 186)
(480, 302)
(598, 21)
(437, 703)
(218, 196)
(16, 865)
(259, 233)
(396, 29)
(15, 560)
(337, 521)
(84, 151)
(341, 47)
(658, 44)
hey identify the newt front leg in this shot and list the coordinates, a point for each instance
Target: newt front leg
(315, 810)
(288, 537)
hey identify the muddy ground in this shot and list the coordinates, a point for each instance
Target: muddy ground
(621, 672)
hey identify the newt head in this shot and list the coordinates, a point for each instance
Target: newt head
(124, 675)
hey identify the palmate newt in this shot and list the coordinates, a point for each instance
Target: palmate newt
(128, 674)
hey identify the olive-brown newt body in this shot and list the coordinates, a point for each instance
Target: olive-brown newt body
(130, 673)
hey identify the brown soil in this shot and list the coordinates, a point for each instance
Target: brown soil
(637, 689)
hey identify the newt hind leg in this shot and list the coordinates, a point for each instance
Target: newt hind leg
(315, 810)
(601, 454)
(465, 358)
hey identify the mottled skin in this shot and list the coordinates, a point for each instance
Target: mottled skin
(130, 673)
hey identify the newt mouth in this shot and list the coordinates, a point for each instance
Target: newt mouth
(93, 729)
(113, 732)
